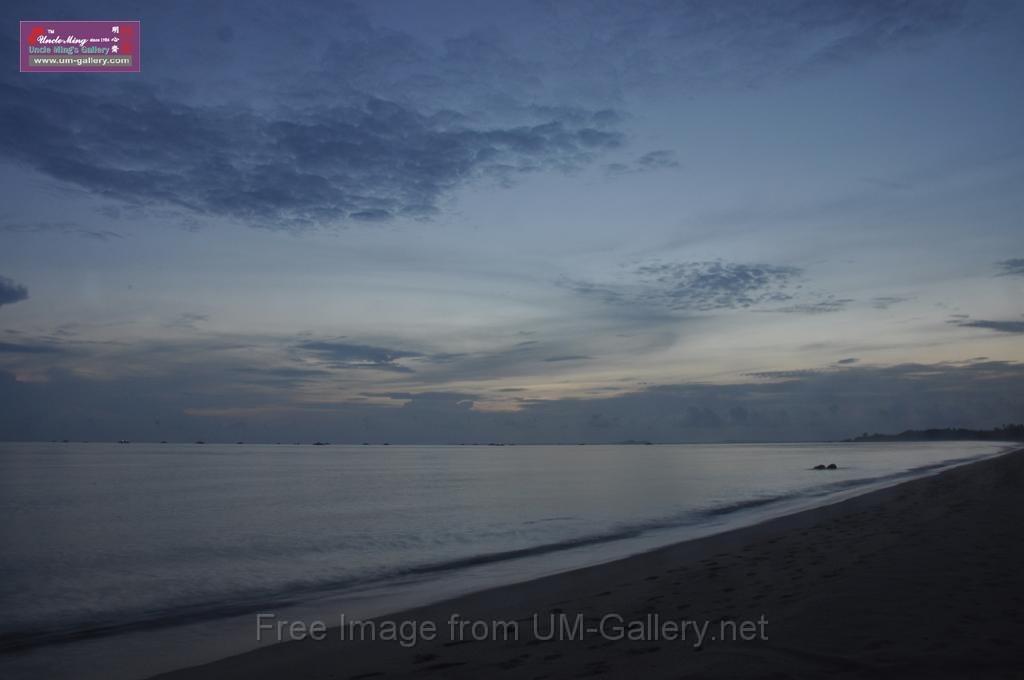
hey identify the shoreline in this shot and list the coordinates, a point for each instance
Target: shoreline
(742, 576)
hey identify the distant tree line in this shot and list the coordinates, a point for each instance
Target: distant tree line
(1011, 433)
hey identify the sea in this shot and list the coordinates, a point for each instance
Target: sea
(125, 560)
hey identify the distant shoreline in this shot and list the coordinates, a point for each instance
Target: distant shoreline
(1008, 433)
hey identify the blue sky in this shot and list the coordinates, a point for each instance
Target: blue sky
(535, 221)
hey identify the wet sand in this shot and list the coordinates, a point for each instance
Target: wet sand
(924, 579)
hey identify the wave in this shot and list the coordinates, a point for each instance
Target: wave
(185, 614)
(739, 506)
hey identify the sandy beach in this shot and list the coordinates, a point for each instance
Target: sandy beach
(924, 579)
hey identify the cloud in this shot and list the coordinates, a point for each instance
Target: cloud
(662, 159)
(434, 396)
(1011, 267)
(365, 160)
(826, 306)
(346, 355)
(697, 286)
(528, 359)
(19, 348)
(59, 227)
(1001, 326)
(847, 361)
(658, 160)
(188, 320)
(719, 285)
(11, 292)
(886, 302)
(284, 375)
(782, 375)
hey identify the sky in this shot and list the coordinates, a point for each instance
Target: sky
(537, 221)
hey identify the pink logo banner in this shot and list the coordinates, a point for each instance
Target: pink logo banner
(81, 46)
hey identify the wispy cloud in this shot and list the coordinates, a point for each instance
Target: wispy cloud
(1011, 267)
(826, 306)
(188, 320)
(1010, 326)
(782, 375)
(21, 348)
(885, 302)
(59, 227)
(282, 375)
(346, 355)
(661, 159)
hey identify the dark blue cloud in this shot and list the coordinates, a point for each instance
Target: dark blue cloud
(21, 348)
(11, 292)
(1000, 326)
(366, 160)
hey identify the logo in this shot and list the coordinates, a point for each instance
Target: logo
(81, 46)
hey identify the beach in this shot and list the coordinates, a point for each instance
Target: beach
(922, 579)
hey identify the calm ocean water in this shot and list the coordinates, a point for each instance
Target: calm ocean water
(123, 560)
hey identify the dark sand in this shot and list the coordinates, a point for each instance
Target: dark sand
(921, 580)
